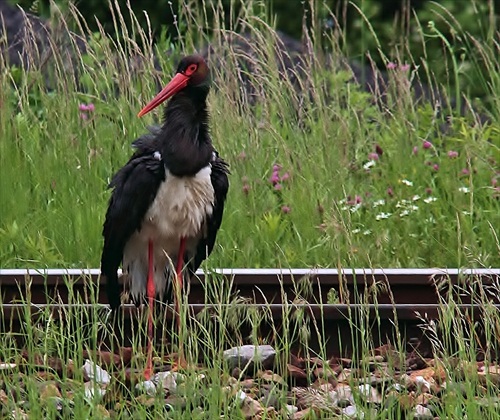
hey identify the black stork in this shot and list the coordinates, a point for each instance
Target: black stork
(167, 201)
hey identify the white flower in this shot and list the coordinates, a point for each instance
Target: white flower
(367, 232)
(380, 202)
(355, 208)
(415, 198)
(404, 213)
(429, 199)
(413, 208)
(407, 182)
(369, 164)
(356, 231)
(382, 215)
(465, 190)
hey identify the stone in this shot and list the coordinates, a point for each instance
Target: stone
(251, 408)
(342, 396)
(146, 387)
(168, 380)
(422, 413)
(370, 394)
(352, 412)
(249, 355)
(92, 390)
(93, 372)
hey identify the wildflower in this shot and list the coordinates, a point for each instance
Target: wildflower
(426, 144)
(428, 190)
(391, 65)
(356, 230)
(390, 192)
(286, 209)
(373, 156)
(353, 201)
(355, 208)
(404, 213)
(378, 150)
(428, 200)
(275, 178)
(464, 190)
(246, 189)
(382, 215)
(368, 164)
(415, 197)
(404, 67)
(367, 232)
(285, 176)
(277, 167)
(452, 154)
(407, 182)
(380, 202)
(494, 182)
(465, 172)
(435, 167)
(86, 108)
(415, 150)
(277, 187)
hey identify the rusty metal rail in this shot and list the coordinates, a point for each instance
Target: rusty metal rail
(336, 297)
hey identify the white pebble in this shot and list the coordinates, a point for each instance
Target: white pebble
(147, 387)
(95, 373)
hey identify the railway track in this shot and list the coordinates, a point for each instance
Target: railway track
(338, 298)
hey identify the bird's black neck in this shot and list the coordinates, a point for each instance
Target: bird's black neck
(186, 146)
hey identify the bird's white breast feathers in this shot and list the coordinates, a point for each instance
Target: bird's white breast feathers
(179, 209)
(182, 204)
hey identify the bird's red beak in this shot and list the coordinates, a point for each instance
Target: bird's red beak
(178, 83)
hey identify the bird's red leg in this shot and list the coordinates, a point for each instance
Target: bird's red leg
(150, 291)
(178, 296)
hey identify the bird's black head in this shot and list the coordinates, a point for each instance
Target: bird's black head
(192, 71)
(196, 69)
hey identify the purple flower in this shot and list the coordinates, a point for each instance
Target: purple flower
(391, 65)
(378, 150)
(285, 176)
(353, 201)
(452, 154)
(286, 209)
(246, 189)
(390, 192)
(404, 67)
(277, 167)
(275, 178)
(278, 187)
(494, 182)
(86, 108)
(428, 191)
(465, 172)
(426, 144)
(415, 150)
(373, 156)
(435, 167)
(84, 116)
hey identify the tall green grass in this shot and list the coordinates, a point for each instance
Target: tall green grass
(335, 209)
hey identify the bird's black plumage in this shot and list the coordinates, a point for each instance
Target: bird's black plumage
(180, 148)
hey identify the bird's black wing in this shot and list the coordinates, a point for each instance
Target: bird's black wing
(220, 182)
(134, 189)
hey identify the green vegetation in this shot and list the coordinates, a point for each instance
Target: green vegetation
(322, 175)
(394, 185)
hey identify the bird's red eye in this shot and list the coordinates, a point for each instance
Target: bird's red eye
(191, 69)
